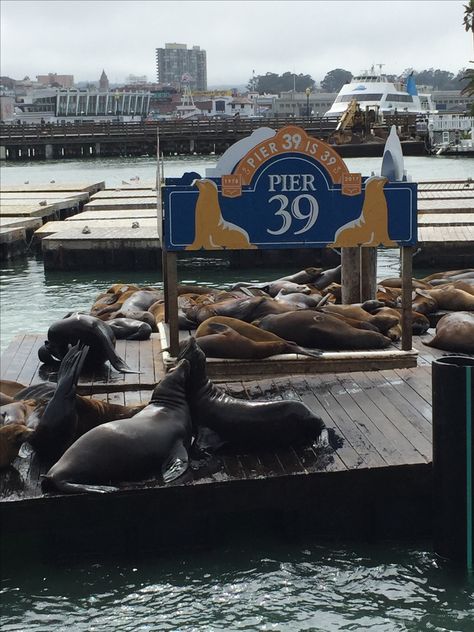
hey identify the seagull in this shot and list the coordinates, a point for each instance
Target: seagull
(134, 178)
(86, 230)
(135, 225)
(52, 181)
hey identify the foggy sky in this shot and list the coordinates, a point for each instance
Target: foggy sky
(312, 37)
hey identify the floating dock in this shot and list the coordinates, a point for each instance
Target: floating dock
(24, 208)
(446, 233)
(377, 485)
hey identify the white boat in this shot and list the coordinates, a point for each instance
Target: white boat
(372, 90)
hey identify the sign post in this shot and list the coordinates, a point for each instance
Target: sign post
(289, 190)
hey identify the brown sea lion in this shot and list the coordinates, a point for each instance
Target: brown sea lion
(11, 388)
(321, 331)
(247, 309)
(423, 303)
(397, 282)
(449, 273)
(11, 438)
(448, 297)
(454, 332)
(383, 322)
(420, 324)
(216, 339)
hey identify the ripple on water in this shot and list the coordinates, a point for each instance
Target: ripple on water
(381, 589)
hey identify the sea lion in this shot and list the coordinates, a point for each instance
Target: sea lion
(56, 428)
(321, 331)
(448, 273)
(154, 441)
(130, 329)
(212, 231)
(220, 419)
(252, 333)
(419, 323)
(331, 275)
(246, 309)
(224, 342)
(397, 283)
(454, 332)
(371, 227)
(308, 275)
(383, 321)
(10, 388)
(448, 297)
(11, 439)
(298, 300)
(93, 332)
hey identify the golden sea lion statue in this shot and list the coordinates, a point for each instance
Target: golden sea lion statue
(212, 231)
(371, 227)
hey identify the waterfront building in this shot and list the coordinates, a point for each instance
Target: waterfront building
(175, 61)
(55, 80)
(297, 103)
(63, 105)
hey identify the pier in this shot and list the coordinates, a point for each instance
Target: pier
(445, 233)
(211, 136)
(377, 485)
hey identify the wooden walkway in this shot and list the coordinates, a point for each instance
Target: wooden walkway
(377, 484)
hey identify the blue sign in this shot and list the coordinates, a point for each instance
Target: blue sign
(289, 191)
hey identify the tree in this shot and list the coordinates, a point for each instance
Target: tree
(335, 79)
(468, 20)
(271, 83)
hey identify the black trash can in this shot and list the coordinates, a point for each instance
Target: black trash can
(453, 458)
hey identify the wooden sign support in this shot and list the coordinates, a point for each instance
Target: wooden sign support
(407, 273)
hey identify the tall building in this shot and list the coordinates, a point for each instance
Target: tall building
(176, 64)
(103, 82)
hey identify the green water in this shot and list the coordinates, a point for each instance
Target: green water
(245, 585)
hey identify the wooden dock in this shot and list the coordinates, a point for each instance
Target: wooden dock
(24, 208)
(445, 233)
(376, 485)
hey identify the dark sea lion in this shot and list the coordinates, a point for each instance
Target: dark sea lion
(154, 441)
(454, 332)
(332, 275)
(225, 342)
(130, 329)
(55, 429)
(93, 332)
(11, 439)
(321, 331)
(220, 419)
(308, 275)
(297, 299)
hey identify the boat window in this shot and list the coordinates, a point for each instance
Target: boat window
(359, 97)
(406, 98)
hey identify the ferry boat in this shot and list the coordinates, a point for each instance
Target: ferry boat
(372, 90)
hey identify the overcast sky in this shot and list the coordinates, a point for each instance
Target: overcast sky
(312, 37)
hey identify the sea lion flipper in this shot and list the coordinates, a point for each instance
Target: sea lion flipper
(176, 464)
(207, 441)
(312, 353)
(117, 362)
(77, 488)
